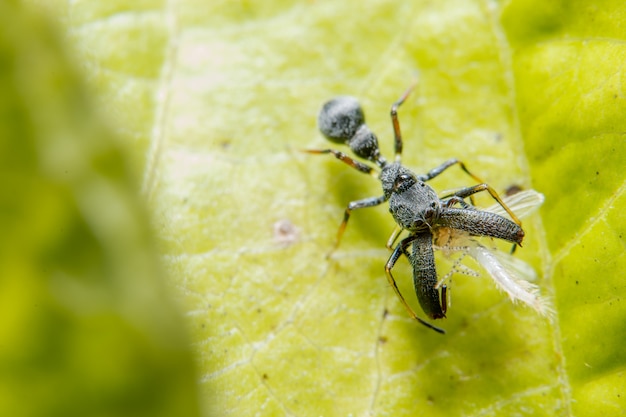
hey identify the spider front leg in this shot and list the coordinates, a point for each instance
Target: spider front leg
(468, 191)
(450, 162)
(400, 249)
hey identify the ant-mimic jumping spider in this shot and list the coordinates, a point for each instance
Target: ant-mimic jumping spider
(413, 204)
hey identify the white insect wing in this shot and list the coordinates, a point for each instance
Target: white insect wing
(522, 204)
(510, 274)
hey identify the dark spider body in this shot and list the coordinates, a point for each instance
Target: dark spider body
(413, 204)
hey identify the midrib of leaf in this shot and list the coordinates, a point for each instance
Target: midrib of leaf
(163, 94)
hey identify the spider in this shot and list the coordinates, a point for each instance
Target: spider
(414, 205)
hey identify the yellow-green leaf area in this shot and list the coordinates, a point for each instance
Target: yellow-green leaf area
(248, 220)
(214, 111)
(569, 83)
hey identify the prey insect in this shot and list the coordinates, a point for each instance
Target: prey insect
(414, 205)
(511, 275)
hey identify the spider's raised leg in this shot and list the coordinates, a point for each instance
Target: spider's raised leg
(396, 124)
(468, 191)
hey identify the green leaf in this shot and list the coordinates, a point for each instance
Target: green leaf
(214, 102)
(569, 74)
(88, 328)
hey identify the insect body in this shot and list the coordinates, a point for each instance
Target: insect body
(414, 205)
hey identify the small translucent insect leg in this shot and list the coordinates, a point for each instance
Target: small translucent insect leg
(359, 166)
(457, 200)
(444, 298)
(353, 205)
(396, 124)
(394, 236)
(466, 192)
(400, 249)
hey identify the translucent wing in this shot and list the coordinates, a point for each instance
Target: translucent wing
(515, 282)
(510, 274)
(522, 204)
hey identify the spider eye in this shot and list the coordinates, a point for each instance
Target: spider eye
(403, 179)
(419, 224)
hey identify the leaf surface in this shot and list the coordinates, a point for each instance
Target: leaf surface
(216, 100)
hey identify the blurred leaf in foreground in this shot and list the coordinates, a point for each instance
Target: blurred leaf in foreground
(86, 326)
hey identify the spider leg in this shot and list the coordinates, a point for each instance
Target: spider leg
(353, 205)
(359, 166)
(396, 124)
(450, 162)
(468, 191)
